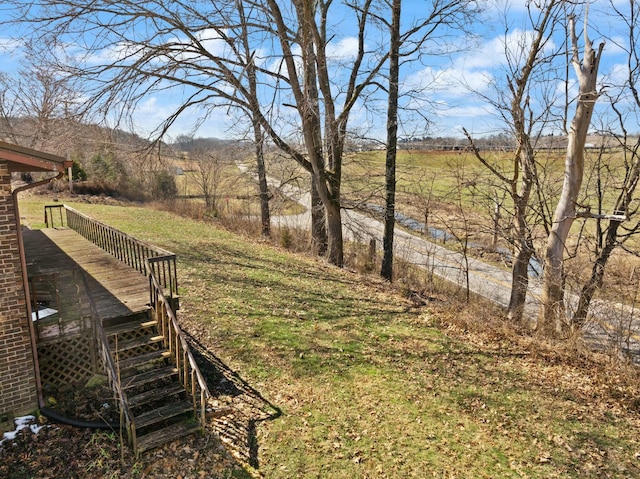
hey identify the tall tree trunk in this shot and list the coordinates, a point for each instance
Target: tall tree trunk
(334, 229)
(586, 70)
(595, 280)
(265, 214)
(520, 268)
(523, 179)
(258, 137)
(327, 185)
(392, 140)
(319, 239)
(519, 283)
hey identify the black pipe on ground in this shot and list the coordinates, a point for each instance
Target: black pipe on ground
(58, 418)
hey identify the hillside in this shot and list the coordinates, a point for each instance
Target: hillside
(321, 372)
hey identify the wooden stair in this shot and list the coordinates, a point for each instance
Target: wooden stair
(161, 408)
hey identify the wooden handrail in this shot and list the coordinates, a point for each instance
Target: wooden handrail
(159, 266)
(189, 373)
(111, 367)
(48, 215)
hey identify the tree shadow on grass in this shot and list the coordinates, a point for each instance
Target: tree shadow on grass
(237, 409)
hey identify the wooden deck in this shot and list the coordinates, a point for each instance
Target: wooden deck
(59, 254)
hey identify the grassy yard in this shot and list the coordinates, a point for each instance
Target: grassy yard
(369, 385)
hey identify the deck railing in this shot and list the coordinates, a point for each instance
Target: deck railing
(110, 365)
(141, 256)
(160, 267)
(174, 339)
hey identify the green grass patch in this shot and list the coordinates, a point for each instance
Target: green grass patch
(367, 385)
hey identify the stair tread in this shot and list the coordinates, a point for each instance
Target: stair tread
(129, 326)
(139, 316)
(137, 342)
(153, 394)
(149, 376)
(163, 413)
(167, 434)
(142, 359)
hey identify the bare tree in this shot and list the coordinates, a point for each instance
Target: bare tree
(254, 114)
(39, 106)
(271, 60)
(615, 224)
(613, 230)
(197, 52)
(404, 44)
(386, 270)
(528, 66)
(210, 168)
(458, 225)
(586, 69)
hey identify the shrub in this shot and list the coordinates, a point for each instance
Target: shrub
(77, 172)
(164, 186)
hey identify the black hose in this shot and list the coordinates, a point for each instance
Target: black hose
(62, 419)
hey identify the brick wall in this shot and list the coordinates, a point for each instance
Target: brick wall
(17, 379)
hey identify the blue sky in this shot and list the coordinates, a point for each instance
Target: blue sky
(448, 103)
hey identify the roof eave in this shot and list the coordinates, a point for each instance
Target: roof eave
(23, 159)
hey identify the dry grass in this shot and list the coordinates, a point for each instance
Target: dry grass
(374, 381)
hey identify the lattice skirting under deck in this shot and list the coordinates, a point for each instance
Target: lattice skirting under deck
(67, 362)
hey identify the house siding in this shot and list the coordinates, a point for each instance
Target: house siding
(17, 378)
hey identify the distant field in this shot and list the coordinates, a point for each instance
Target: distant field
(453, 184)
(369, 385)
(442, 177)
(453, 192)
(443, 171)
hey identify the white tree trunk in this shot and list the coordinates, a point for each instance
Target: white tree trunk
(552, 313)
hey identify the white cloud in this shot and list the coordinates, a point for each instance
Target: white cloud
(344, 49)
(470, 111)
(449, 82)
(10, 46)
(487, 55)
(617, 74)
(182, 48)
(494, 52)
(211, 41)
(114, 53)
(260, 57)
(615, 46)
(151, 112)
